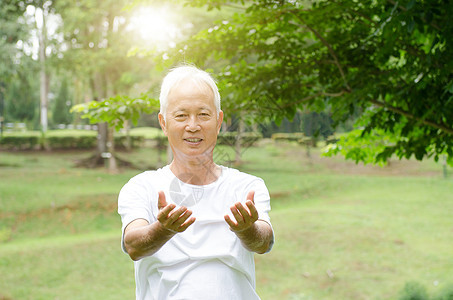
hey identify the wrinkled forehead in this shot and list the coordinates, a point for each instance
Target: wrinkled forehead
(191, 88)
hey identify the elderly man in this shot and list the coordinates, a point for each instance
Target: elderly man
(193, 226)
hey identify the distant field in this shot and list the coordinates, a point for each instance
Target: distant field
(343, 231)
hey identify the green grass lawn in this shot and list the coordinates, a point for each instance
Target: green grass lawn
(343, 231)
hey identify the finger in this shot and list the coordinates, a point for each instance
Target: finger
(171, 220)
(251, 196)
(243, 211)
(176, 214)
(252, 210)
(189, 222)
(183, 217)
(162, 216)
(161, 202)
(229, 221)
(236, 214)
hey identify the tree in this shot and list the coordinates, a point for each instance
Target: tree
(392, 61)
(116, 111)
(97, 41)
(60, 112)
(11, 32)
(42, 11)
(21, 96)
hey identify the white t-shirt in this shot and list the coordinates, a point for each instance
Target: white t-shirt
(207, 261)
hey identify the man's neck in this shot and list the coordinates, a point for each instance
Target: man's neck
(196, 172)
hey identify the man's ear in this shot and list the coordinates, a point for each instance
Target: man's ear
(162, 123)
(220, 121)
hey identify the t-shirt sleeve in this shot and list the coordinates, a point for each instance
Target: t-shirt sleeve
(262, 203)
(261, 199)
(134, 203)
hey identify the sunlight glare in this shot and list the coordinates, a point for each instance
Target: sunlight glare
(154, 25)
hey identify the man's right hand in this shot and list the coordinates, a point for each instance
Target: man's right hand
(172, 218)
(142, 239)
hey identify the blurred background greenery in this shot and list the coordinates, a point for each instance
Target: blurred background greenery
(343, 231)
(304, 85)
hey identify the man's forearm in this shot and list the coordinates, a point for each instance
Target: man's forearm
(147, 240)
(258, 238)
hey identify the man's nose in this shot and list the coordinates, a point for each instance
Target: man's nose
(192, 124)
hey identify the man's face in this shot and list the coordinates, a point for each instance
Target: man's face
(191, 123)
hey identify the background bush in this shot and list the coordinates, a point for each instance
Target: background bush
(416, 291)
(21, 140)
(247, 138)
(62, 140)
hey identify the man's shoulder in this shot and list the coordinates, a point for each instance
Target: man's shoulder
(237, 175)
(149, 176)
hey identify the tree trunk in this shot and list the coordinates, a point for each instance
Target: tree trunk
(44, 80)
(102, 138)
(127, 128)
(106, 143)
(112, 165)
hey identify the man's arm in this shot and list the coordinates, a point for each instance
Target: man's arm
(142, 239)
(255, 235)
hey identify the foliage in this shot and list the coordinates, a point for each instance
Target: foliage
(118, 109)
(60, 113)
(11, 31)
(317, 124)
(62, 140)
(21, 141)
(414, 291)
(18, 97)
(294, 136)
(61, 227)
(247, 138)
(98, 39)
(359, 149)
(21, 99)
(446, 293)
(390, 59)
(148, 132)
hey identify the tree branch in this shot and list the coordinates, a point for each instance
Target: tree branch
(432, 24)
(407, 114)
(322, 93)
(329, 47)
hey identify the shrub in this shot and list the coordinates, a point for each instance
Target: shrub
(414, 291)
(71, 142)
(136, 141)
(71, 139)
(61, 140)
(147, 132)
(247, 139)
(446, 294)
(293, 137)
(86, 139)
(21, 140)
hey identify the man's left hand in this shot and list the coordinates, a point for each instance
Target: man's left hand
(245, 215)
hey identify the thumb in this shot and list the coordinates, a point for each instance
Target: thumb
(250, 196)
(161, 202)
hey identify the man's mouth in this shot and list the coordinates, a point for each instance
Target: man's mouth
(193, 140)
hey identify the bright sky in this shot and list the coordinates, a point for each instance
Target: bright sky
(155, 26)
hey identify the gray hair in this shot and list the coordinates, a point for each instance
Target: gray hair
(176, 75)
